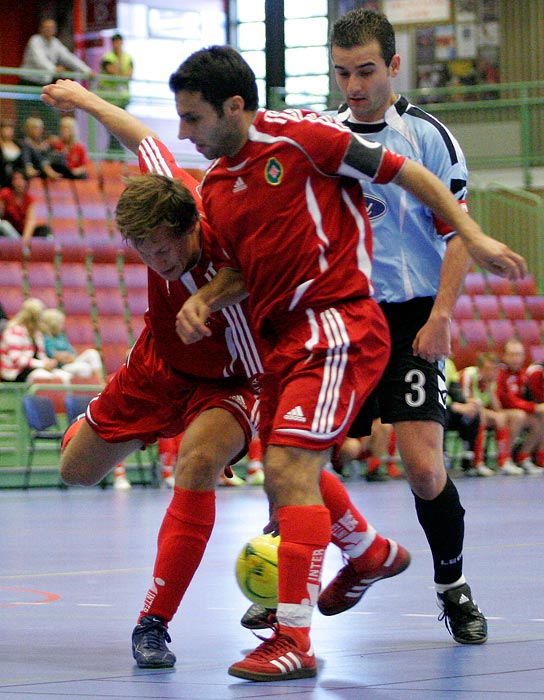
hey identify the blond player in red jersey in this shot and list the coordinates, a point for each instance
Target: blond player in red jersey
(284, 197)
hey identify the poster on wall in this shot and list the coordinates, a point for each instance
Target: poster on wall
(409, 12)
(444, 42)
(424, 44)
(466, 40)
(466, 10)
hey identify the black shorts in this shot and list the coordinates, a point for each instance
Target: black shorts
(411, 389)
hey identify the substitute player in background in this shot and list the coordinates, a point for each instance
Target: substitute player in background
(297, 240)
(418, 270)
(166, 386)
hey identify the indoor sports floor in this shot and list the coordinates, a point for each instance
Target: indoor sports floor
(76, 565)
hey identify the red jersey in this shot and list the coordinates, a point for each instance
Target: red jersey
(76, 156)
(535, 378)
(230, 351)
(281, 200)
(513, 389)
(15, 212)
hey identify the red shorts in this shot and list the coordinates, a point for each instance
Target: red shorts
(147, 399)
(319, 372)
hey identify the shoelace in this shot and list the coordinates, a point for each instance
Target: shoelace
(155, 636)
(277, 644)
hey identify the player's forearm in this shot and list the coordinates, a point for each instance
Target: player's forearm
(455, 265)
(225, 289)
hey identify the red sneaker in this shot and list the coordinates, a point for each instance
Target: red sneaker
(349, 585)
(276, 659)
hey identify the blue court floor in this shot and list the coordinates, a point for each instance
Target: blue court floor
(76, 564)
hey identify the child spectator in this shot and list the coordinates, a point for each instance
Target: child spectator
(86, 365)
(22, 349)
(37, 151)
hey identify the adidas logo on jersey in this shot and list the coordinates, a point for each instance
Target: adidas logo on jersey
(239, 185)
(296, 414)
(239, 400)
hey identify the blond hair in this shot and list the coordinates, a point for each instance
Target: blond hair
(71, 123)
(53, 321)
(154, 200)
(29, 315)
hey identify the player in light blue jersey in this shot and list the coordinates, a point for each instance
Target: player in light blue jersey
(418, 271)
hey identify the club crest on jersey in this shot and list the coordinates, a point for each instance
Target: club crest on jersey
(273, 172)
(375, 208)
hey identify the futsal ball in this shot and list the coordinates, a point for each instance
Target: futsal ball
(257, 570)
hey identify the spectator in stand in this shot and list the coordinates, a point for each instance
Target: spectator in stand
(87, 364)
(535, 376)
(375, 450)
(17, 212)
(117, 63)
(513, 390)
(22, 349)
(11, 153)
(463, 416)
(480, 383)
(37, 151)
(69, 156)
(4, 318)
(45, 59)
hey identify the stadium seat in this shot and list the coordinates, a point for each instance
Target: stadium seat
(41, 274)
(11, 249)
(500, 331)
(12, 297)
(528, 331)
(137, 301)
(12, 274)
(80, 330)
(535, 307)
(109, 302)
(113, 356)
(464, 308)
(474, 283)
(499, 285)
(43, 425)
(75, 405)
(513, 306)
(536, 353)
(79, 302)
(475, 333)
(526, 286)
(487, 306)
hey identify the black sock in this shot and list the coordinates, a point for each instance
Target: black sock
(442, 520)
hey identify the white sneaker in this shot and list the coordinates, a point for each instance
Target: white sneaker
(530, 468)
(234, 480)
(169, 482)
(121, 483)
(483, 470)
(255, 478)
(511, 469)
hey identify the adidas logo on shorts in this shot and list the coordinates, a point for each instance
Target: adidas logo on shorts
(296, 414)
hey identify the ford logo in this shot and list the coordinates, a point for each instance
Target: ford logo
(375, 208)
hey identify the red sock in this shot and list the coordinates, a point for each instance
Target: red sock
(168, 452)
(350, 531)
(502, 438)
(539, 458)
(373, 464)
(479, 445)
(119, 471)
(305, 533)
(183, 537)
(522, 456)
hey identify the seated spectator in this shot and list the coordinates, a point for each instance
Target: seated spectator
(377, 452)
(11, 153)
(535, 377)
(463, 416)
(37, 151)
(17, 212)
(4, 318)
(22, 349)
(69, 156)
(87, 365)
(514, 391)
(480, 384)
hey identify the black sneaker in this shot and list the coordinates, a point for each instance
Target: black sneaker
(464, 619)
(149, 644)
(257, 617)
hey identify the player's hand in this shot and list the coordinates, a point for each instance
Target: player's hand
(65, 95)
(273, 525)
(433, 341)
(497, 258)
(191, 320)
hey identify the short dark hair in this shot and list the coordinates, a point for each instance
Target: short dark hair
(117, 36)
(360, 27)
(217, 73)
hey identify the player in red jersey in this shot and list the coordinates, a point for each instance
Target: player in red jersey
(514, 391)
(283, 195)
(148, 393)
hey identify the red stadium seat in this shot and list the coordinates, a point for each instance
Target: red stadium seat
(513, 306)
(475, 333)
(528, 331)
(487, 306)
(11, 297)
(525, 286)
(535, 307)
(536, 353)
(464, 308)
(475, 283)
(109, 302)
(499, 285)
(500, 331)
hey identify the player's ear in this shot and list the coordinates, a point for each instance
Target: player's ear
(234, 104)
